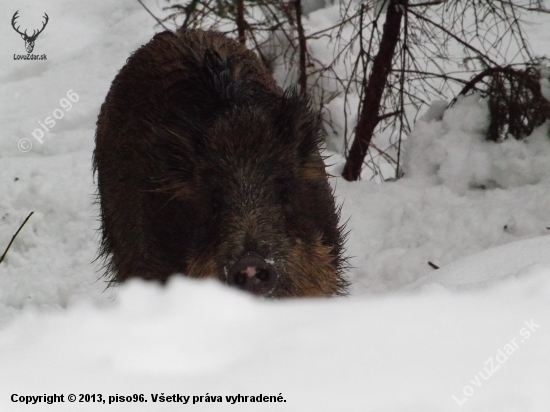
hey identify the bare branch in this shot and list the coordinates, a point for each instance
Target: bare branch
(152, 15)
(14, 236)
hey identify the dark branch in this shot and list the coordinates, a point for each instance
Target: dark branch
(14, 236)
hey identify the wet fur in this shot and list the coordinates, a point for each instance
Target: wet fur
(201, 157)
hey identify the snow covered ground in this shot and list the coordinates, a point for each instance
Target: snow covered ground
(473, 335)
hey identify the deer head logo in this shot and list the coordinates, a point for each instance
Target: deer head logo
(29, 40)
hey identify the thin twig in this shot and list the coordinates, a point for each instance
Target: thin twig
(302, 79)
(433, 265)
(14, 236)
(152, 15)
(427, 3)
(479, 53)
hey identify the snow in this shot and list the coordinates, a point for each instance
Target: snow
(408, 338)
(454, 151)
(397, 352)
(512, 260)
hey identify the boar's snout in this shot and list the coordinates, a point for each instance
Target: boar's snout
(253, 274)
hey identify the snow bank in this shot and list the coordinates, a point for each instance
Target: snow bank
(486, 268)
(454, 151)
(401, 352)
(460, 195)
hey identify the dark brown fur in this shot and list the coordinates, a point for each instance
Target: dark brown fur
(200, 158)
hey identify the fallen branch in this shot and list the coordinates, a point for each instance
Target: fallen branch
(14, 236)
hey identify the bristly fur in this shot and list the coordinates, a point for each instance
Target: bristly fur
(200, 158)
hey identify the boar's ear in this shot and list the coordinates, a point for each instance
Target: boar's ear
(298, 124)
(217, 73)
(212, 88)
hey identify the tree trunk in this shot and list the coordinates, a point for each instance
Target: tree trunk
(241, 26)
(302, 78)
(369, 116)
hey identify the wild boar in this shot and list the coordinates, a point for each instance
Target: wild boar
(205, 167)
